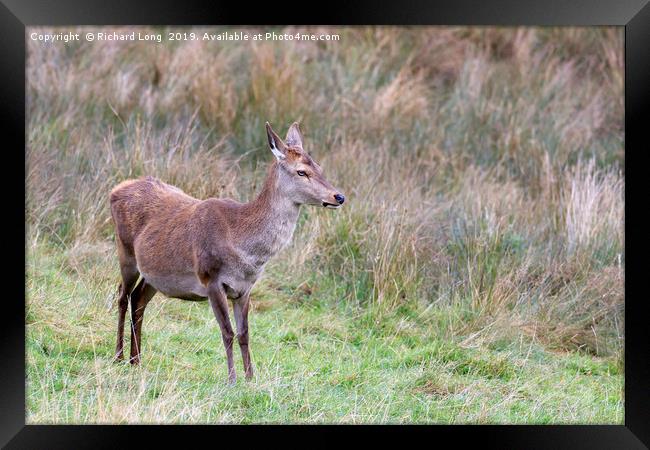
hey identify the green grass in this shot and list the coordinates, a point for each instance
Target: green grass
(316, 359)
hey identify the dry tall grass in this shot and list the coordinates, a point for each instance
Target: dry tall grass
(483, 166)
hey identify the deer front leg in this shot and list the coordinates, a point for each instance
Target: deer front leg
(240, 308)
(219, 305)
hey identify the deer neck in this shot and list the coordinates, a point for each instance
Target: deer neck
(274, 216)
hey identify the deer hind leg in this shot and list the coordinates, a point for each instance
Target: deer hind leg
(240, 309)
(130, 275)
(142, 293)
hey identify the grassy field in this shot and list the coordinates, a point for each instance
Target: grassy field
(474, 275)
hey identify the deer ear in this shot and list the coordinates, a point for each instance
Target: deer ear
(275, 143)
(294, 136)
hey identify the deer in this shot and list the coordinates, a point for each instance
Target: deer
(214, 249)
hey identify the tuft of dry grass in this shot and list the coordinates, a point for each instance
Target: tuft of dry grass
(593, 209)
(405, 98)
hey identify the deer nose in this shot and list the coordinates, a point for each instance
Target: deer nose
(339, 198)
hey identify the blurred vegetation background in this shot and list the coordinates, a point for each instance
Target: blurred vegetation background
(475, 273)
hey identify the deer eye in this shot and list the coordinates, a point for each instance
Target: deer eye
(302, 173)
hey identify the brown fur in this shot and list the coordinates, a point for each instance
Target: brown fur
(209, 249)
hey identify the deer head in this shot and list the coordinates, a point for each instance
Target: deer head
(301, 179)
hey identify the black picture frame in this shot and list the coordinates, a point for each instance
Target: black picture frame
(634, 15)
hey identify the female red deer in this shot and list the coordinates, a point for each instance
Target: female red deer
(210, 249)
